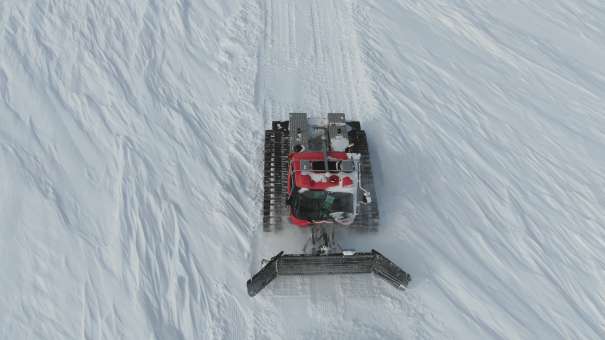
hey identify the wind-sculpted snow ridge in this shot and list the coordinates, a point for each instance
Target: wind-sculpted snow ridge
(119, 137)
(493, 116)
(131, 153)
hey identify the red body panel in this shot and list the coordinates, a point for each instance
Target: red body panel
(298, 222)
(305, 181)
(347, 181)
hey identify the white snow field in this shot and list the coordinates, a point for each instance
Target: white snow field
(131, 137)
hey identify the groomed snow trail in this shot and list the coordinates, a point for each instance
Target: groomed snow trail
(310, 60)
(131, 179)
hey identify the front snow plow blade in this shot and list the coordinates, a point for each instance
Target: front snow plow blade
(341, 263)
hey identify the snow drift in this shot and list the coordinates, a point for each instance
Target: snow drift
(130, 166)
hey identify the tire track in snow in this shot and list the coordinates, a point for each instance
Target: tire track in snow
(309, 60)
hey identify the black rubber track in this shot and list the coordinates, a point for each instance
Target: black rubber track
(277, 146)
(368, 217)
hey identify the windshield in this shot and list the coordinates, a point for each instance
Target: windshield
(318, 205)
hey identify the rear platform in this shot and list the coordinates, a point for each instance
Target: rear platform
(341, 263)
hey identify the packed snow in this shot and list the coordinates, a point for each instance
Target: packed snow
(131, 137)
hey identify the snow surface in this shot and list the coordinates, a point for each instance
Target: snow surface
(131, 139)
